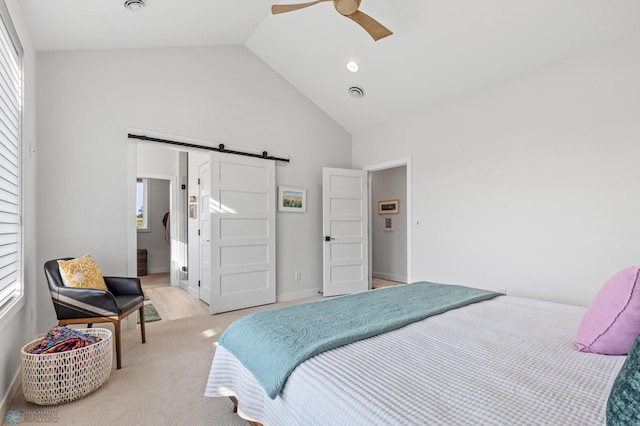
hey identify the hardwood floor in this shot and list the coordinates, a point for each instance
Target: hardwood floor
(171, 302)
(379, 282)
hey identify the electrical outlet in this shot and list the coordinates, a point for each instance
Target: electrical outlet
(298, 276)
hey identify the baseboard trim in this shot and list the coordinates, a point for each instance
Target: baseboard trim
(392, 277)
(193, 292)
(11, 393)
(296, 295)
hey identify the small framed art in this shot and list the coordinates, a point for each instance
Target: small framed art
(388, 206)
(292, 199)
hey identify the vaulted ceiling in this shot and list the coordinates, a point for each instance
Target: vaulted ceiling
(440, 49)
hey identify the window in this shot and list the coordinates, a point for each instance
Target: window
(10, 163)
(142, 204)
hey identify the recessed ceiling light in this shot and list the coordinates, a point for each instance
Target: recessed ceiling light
(134, 5)
(353, 66)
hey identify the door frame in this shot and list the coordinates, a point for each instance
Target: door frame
(407, 209)
(196, 159)
(204, 291)
(173, 198)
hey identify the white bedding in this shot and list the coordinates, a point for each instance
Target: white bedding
(505, 361)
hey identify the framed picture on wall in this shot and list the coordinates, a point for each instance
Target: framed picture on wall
(389, 207)
(292, 199)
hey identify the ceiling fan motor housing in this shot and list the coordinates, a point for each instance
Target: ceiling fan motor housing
(346, 7)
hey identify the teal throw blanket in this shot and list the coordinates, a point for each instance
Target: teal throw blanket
(271, 344)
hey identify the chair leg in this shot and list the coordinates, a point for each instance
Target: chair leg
(116, 325)
(142, 331)
(90, 325)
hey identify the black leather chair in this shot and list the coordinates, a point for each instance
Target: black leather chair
(89, 306)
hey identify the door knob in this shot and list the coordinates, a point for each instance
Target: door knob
(328, 238)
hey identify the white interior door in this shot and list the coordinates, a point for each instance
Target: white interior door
(204, 231)
(345, 227)
(243, 232)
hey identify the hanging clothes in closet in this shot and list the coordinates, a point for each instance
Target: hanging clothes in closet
(165, 223)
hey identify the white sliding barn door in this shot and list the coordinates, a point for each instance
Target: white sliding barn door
(243, 232)
(345, 227)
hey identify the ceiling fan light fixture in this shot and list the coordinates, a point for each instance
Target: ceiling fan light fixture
(134, 5)
(356, 92)
(353, 66)
(346, 8)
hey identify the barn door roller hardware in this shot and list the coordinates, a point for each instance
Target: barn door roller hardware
(219, 148)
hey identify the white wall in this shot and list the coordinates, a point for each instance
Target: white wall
(389, 248)
(18, 328)
(530, 185)
(87, 100)
(154, 159)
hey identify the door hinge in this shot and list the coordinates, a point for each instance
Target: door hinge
(198, 283)
(198, 181)
(198, 232)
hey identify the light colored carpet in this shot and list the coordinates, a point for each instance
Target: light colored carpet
(161, 382)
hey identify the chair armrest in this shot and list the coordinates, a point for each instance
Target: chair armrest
(92, 302)
(124, 286)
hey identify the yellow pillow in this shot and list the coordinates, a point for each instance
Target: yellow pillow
(82, 273)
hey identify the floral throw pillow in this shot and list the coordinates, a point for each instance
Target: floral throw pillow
(82, 272)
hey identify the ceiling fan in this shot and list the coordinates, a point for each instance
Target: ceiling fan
(348, 8)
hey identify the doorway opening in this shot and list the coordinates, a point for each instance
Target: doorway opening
(153, 216)
(390, 238)
(160, 229)
(219, 208)
(350, 211)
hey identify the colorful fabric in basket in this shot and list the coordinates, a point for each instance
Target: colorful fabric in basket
(62, 339)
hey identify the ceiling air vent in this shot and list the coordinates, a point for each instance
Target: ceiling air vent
(356, 92)
(134, 5)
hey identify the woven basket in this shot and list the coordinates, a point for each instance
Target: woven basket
(49, 379)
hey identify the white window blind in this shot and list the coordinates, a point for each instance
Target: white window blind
(10, 162)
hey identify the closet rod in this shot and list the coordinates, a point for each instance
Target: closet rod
(220, 148)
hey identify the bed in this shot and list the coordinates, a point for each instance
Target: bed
(501, 361)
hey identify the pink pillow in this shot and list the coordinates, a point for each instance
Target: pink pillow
(612, 321)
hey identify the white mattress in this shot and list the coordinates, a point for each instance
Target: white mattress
(506, 361)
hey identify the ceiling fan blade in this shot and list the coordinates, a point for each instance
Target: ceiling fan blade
(373, 27)
(282, 8)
